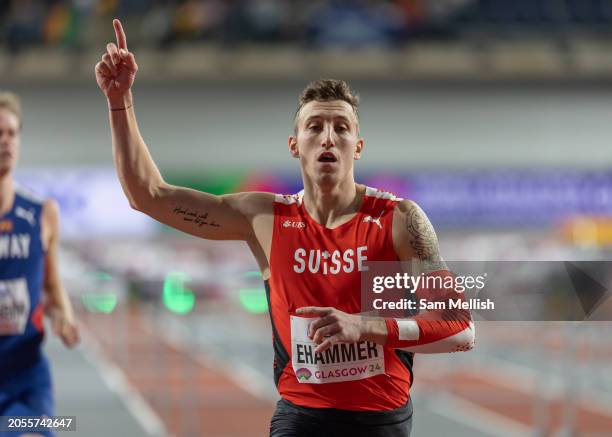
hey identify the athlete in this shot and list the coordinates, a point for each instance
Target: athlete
(30, 285)
(336, 371)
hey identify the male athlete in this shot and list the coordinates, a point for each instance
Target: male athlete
(336, 371)
(30, 285)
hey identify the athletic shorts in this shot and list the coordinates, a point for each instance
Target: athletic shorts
(290, 420)
(29, 393)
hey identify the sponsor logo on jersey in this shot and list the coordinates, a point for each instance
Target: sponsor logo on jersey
(15, 246)
(294, 224)
(376, 221)
(6, 226)
(26, 214)
(325, 262)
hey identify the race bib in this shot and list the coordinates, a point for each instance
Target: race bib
(341, 362)
(14, 306)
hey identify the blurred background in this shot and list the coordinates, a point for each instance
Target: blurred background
(493, 115)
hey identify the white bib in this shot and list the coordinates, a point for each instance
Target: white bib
(341, 362)
(14, 306)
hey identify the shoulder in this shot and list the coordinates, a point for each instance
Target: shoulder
(411, 212)
(378, 202)
(51, 208)
(289, 199)
(412, 222)
(375, 193)
(380, 194)
(288, 205)
(413, 234)
(251, 203)
(28, 197)
(29, 206)
(50, 214)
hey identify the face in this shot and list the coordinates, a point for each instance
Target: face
(327, 141)
(10, 137)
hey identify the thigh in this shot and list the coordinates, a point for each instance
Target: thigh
(34, 400)
(32, 393)
(400, 429)
(25, 408)
(287, 423)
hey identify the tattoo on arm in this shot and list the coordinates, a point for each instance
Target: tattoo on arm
(196, 217)
(424, 241)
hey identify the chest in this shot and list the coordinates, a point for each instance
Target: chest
(20, 235)
(302, 249)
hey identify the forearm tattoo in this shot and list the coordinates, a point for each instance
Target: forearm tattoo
(196, 217)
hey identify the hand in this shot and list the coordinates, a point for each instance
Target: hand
(333, 326)
(65, 327)
(116, 72)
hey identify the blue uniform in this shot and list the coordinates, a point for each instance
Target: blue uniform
(25, 381)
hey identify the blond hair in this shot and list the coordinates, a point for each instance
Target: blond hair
(11, 102)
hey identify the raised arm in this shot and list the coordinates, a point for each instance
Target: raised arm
(228, 217)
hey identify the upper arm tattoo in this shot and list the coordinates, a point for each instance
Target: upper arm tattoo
(424, 241)
(198, 218)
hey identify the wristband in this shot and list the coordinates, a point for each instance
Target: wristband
(401, 333)
(392, 332)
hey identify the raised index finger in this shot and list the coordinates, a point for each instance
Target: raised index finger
(120, 34)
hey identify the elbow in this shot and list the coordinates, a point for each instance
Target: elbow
(461, 341)
(134, 204)
(137, 202)
(140, 198)
(465, 340)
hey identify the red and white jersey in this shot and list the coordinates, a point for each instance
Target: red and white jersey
(312, 265)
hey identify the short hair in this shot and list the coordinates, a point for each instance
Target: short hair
(326, 90)
(11, 102)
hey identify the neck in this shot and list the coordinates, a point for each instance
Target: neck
(7, 193)
(326, 203)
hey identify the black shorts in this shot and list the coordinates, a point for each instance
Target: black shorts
(290, 420)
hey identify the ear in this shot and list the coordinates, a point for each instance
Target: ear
(293, 148)
(358, 149)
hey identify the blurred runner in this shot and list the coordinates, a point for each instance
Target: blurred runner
(30, 285)
(336, 371)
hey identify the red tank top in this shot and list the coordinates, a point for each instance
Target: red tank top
(311, 265)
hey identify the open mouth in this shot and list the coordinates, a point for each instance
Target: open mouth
(327, 157)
